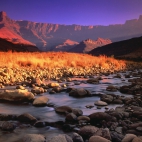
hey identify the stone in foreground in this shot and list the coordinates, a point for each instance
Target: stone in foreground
(41, 101)
(16, 95)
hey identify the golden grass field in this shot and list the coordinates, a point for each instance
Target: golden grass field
(57, 60)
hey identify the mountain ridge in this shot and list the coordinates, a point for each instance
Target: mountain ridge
(47, 36)
(87, 45)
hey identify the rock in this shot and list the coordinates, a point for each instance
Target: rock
(87, 131)
(93, 81)
(97, 117)
(16, 95)
(26, 117)
(57, 89)
(107, 98)
(118, 130)
(77, 112)
(79, 93)
(135, 125)
(37, 81)
(128, 138)
(117, 101)
(117, 76)
(20, 87)
(100, 103)
(139, 129)
(71, 117)
(7, 126)
(137, 140)
(116, 137)
(77, 138)
(103, 133)
(40, 101)
(124, 89)
(111, 88)
(98, 139)
(83, 118)
(53, 84)
(61, 138)
(33, 138)
(39, 124)
(37, 90)
(63, 109)
(6, 117)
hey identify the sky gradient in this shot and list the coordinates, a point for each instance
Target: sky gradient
(80, 12)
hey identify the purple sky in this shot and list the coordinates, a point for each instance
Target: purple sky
(81, 12)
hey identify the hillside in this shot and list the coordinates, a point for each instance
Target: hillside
(66, 45)
(47, 36)
(9, 46)
(128, 49)
(88, 45)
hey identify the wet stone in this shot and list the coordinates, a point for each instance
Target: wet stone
(139, 129)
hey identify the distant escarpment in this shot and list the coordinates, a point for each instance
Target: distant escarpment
(48, 36)
(66, 45)
(9, 46)
(88, 45)
(126, 49)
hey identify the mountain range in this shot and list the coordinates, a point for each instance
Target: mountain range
(50, 37)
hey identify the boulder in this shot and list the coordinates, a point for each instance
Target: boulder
(63, 109)
(100, 103)
(81, 92)
(40, 101)
(20, 87)
(137, 140)
(37, 81)
(37, 90)
(33, 138)
(16, 95)
(116, 137)
(53, 84)
(39, 124)
(129, 138)
(97, 117)
(7, 126)
(71, 117)
(107, 98)
(93, 81)
(111, 88)
(103, 133)
(77, 111)
(77, 138)
(26, 117)
(83, 118)
(61, 138)
(98, 139)
(87, 131)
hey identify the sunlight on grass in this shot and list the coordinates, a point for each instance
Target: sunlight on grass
(57, 60)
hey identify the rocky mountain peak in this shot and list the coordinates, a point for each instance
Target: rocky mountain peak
(3, 16)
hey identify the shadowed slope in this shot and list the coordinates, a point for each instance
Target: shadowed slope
(131, 48)
(9, 46)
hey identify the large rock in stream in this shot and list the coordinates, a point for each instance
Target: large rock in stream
(80, 92)
(41, 101)
(16, 95)
(98, 117)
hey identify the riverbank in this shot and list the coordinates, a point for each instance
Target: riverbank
(69, 102)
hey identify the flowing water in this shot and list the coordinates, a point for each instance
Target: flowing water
(59, 99)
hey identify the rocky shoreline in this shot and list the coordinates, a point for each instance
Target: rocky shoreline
(123, 123)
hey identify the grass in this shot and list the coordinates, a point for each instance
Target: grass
(53, 60)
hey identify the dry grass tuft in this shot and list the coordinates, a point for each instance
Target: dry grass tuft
(57, 60)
